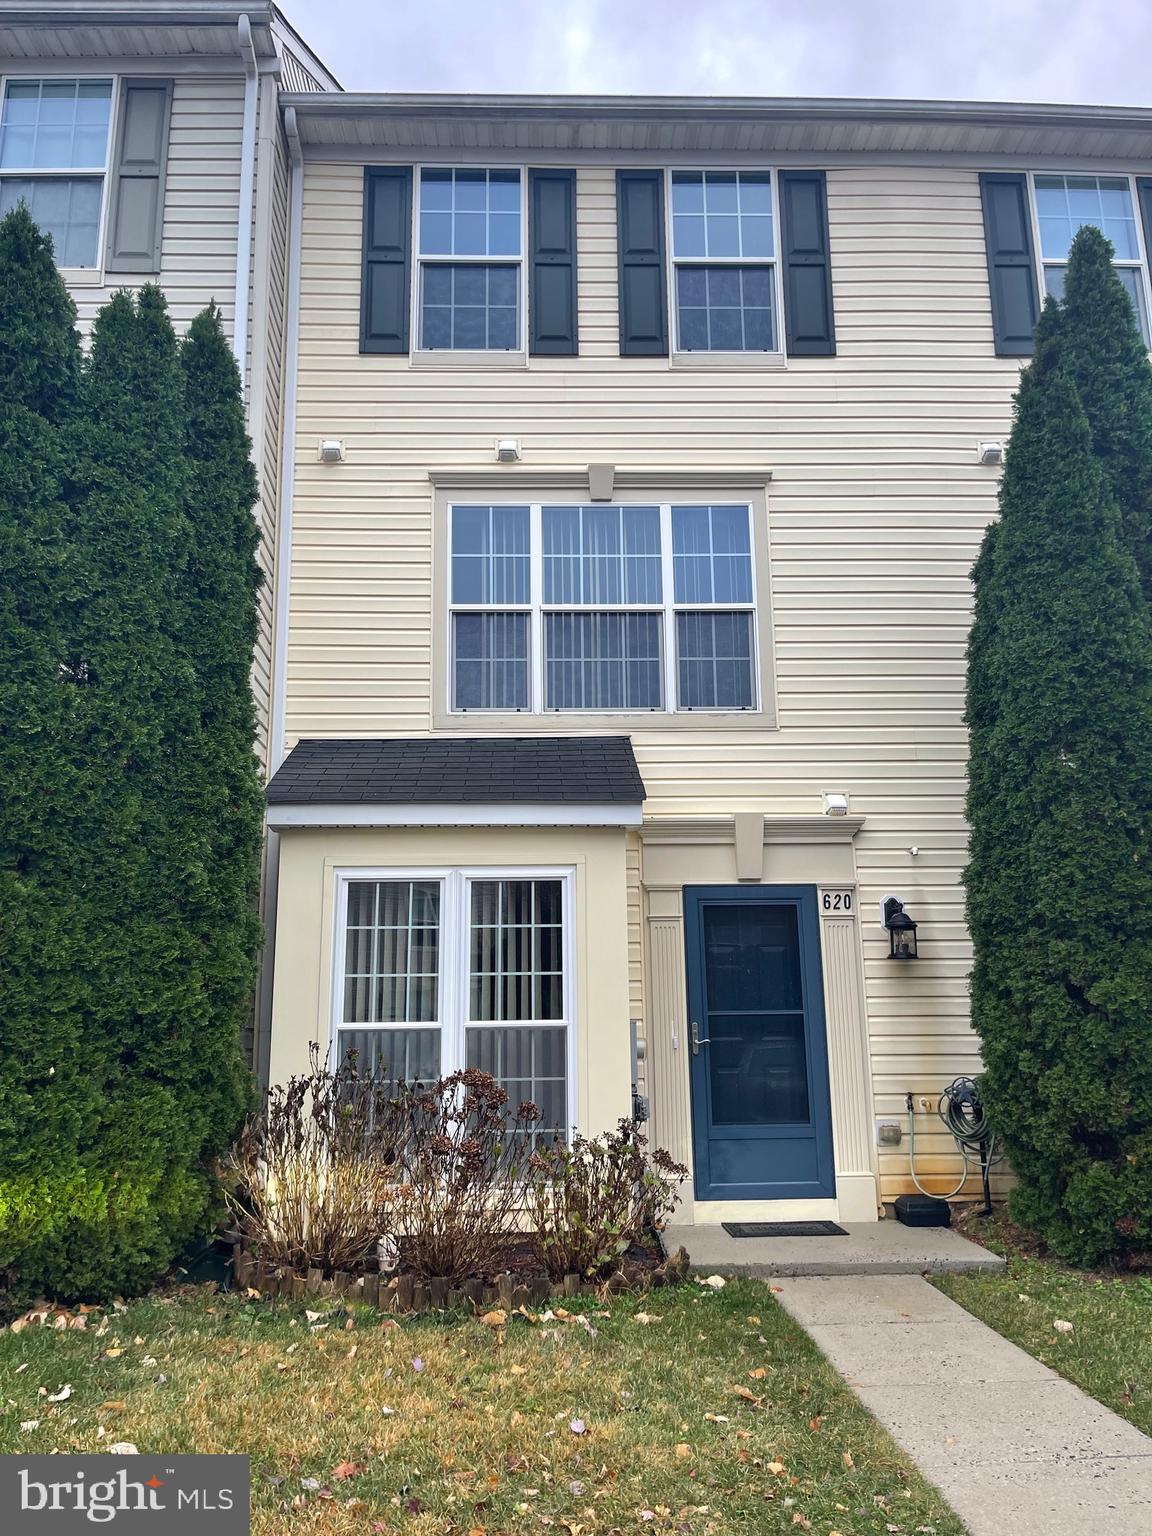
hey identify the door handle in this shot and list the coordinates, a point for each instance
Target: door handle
(696, 1040)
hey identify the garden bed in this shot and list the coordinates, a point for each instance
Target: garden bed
(516, 1281)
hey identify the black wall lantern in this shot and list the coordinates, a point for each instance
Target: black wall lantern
(901, 930)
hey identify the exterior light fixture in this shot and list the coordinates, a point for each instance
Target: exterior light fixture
(507, 450)
(991, 453)
(901, 930)
(331, 451)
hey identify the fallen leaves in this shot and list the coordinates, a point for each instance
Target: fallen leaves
(578, 1426)
(683, 1450)
(1061, 1325)
(346, 1469)
(61, 1395)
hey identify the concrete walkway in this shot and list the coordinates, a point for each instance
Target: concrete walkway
(1015, 1449)
(871, 1247)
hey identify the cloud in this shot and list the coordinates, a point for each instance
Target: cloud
(1021, 50)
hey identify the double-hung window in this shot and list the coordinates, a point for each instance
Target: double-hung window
(1064, 203)
(470, 244)
(602, 608)
(450, 969)
(724, 261)
(54, 143)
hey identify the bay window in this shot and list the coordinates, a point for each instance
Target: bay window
(567, 608)
(452, 969)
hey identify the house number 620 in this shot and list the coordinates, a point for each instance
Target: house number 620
(837, 901)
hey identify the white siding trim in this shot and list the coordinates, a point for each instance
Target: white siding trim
(247, 183)
(281, 817)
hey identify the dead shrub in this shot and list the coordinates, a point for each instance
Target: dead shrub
(590, 1199)
(461, 1165)
(310, 1177)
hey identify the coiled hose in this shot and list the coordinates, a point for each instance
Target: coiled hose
(962, 1112)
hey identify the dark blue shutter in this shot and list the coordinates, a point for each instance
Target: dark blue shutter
(640, 236)
(1144, 192)
(1011, 269)
(809, 326)
(552, 277)
(385, 280)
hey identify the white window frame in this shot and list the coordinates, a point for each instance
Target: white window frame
(94, 275)
(453, 976)
(678, 355)
(1141, 264)
(422, 356)
(536, 609)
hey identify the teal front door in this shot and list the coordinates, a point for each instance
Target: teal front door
(761, 1113)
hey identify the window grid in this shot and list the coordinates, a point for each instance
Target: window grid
(442, 246)
(509, 928)
(533, 680)
(707, 262)
(1122, 228)
(73, 217)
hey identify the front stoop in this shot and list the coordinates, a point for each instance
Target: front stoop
(871, 1248)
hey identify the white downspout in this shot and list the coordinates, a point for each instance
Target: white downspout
(283, 586)
(247, 182)
(283, 582)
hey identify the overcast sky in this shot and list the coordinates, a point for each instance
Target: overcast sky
(1000, 50)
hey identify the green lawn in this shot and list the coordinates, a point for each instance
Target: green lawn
(1107, 1351)
(691, 1411)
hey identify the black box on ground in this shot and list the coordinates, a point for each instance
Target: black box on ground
(922, 1211)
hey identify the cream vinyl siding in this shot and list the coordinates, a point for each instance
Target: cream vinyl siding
(875, 511)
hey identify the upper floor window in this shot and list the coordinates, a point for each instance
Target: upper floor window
(1064, 203)
(602, 608)
(724, 261)
(470, 243)
(54, 142)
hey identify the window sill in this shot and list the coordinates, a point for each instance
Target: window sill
(729, 360)
(616, 723)
(449, 359)
(82, 277)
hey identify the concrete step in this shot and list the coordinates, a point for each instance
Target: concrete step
(870, 1248)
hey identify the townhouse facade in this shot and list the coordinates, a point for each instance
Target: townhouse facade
(629, 462)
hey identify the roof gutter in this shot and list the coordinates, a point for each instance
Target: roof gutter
(247, 183)
(717, 109)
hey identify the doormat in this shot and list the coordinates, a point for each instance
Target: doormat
(783, 1229)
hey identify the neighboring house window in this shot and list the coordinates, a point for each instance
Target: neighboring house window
(1064, 203)
(470, 243)
(457, 969)
(54, 139)
(724, 261)
(602, 608)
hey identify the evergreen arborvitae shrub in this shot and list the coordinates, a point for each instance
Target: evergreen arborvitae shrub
(48, 1099)
(1059, 882)
(1108, 359)
(156, 838)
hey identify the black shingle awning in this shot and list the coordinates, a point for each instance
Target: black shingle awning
(425, 771)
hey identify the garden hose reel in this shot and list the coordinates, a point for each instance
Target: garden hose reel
(961, 1109)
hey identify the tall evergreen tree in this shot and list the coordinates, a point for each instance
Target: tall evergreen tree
(221, 618)
(1059, 881)
(47, 1099)
(155, 810)
(1108, 360)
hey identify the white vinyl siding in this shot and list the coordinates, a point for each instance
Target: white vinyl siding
(876, 508)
